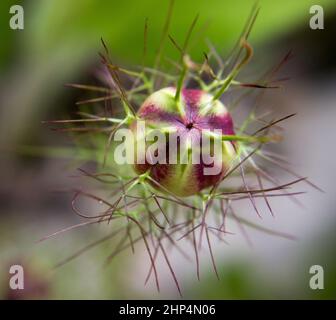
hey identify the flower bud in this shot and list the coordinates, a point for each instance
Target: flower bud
(189, 153)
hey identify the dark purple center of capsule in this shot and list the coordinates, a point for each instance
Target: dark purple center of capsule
(189, 125)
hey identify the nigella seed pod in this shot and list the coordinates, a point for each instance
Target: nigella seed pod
(196, 112)
(183, 143)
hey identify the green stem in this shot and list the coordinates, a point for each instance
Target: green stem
(230, 78)
(251, 139)
(179, 90)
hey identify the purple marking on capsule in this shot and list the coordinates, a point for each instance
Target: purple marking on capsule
(223, 122)
(204, 181)
(153, 113)
(191, 99)
(159, 172)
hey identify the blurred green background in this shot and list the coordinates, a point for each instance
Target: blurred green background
(59, 44)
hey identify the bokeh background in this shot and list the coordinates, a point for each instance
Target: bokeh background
(59, 44)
